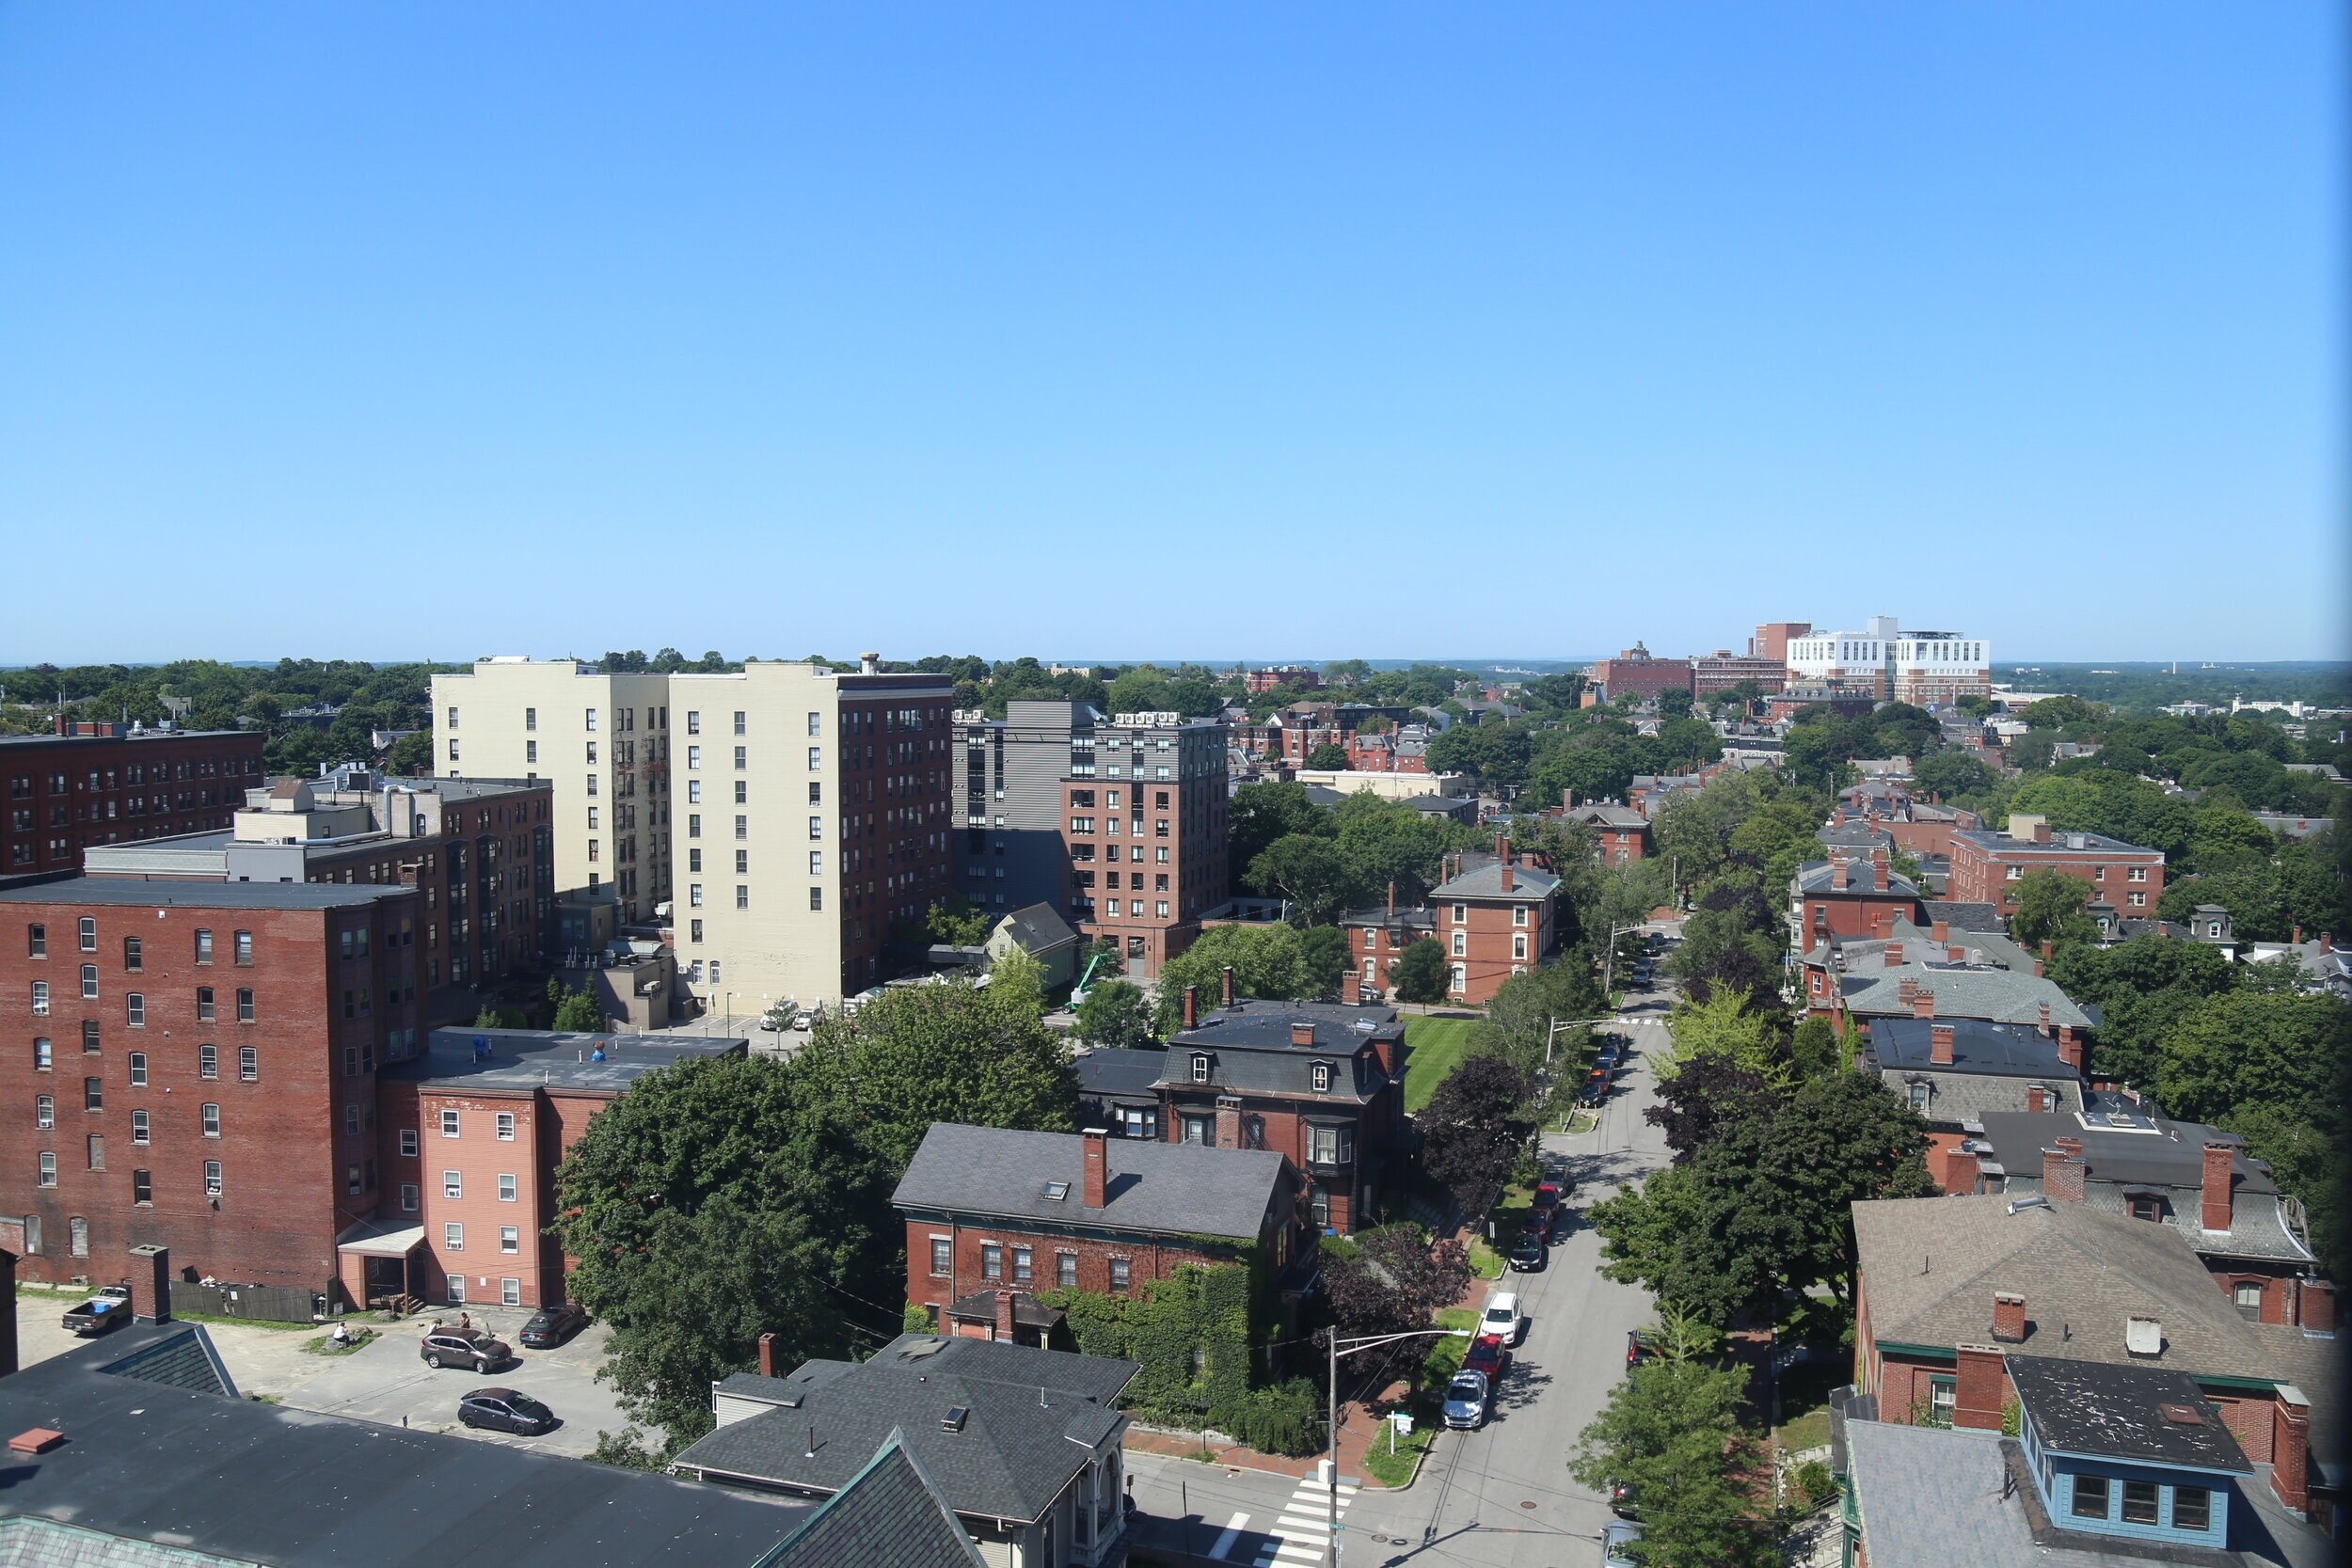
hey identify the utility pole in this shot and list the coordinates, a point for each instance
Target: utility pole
(1340, 1347)
(1609, 965)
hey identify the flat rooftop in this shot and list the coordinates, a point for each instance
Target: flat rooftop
(549, 1058)
(149, 734)
(121, 891)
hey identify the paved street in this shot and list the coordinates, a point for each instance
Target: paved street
(1500, 1497)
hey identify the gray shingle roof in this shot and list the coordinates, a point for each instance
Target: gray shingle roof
(1819, 877)
(1932, 1497)
(1965, 916)
(2117, 1413)
(1033, 1417)
(2003, 994)
(1163, 1189)
(1979, 1046)
(1993, 945)
(1038, 930)
(1528, 884)
(1250, 1049)
(892, 1514)
(1930, 1265)
(1106, 1071)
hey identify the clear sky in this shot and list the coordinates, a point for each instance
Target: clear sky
(1116, 330)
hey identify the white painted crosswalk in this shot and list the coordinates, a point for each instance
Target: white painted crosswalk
(1298, 1537)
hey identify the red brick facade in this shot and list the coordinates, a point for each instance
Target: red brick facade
(246, 1148)
(897, 776)
(1147, 857)
(1987, 867)
(1091, 1256)
(60, 793)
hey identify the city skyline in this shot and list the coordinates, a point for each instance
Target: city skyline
(424, 333)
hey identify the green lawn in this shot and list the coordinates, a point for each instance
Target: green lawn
(1436, 1044)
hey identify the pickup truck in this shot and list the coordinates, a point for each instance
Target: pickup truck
(109, 1307)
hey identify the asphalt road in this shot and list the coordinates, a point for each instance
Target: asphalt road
(1500, 1497)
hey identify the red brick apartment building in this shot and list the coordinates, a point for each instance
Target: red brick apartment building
(469, 1135)
(195, 1066)
(1986, 865)
(105, 783)
(1771, 640)
(1497, 916)
(1848, 898)
(1635, 673)
(1722, 670)
(992, 1208)
(1144, 830)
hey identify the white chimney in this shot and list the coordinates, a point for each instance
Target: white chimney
(2144, 1335)
(869, 664)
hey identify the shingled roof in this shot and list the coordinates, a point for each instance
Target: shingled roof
(1163, 1189)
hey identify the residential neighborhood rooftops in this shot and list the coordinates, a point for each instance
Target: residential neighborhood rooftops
(1965, 916)
(2003, 994)
(1818, 877)
(1030, 1420)
(1170, 1189)
(2127, 1413)
(1267, 1025)
(1477, 880)
(1113, 1070)
(1931, 1266)
(549, 1058)
(1906, 1044)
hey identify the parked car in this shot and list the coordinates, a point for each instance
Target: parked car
(1487, 1355)
(1621, 1500)
(1530, 1254)
(550, 1326)
(1502, 1317)
(1465, 1400)
(505, 1410)
(109, 1308)
(449, 1348)
(1639, 1346)
(1595, 1088)
(1615, 1538)
(1548, 1195)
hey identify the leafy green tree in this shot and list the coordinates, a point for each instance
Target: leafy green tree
(1951, 774)
(1017, 983)
(1267, 962)
(956, 923)
(1307, 871)
(1393, 1280)
(1262, 813)
(1323, 956)
(1520, 1014)
(2245, 1049)
(2050, 906)
(410, 756)
(1420, 972)
(1672, 1430)
(1474, 1127)
(1330, 756)
(1727, 1025)
(1115, 1013)
(579, 1012)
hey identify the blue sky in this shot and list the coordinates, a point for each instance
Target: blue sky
(1121, 331)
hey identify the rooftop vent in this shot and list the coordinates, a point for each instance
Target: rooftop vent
(2182, 1414)
(921, 1348)
(954, 1419)
(1056, 1191)
(37, 1440)
(2035, 1201)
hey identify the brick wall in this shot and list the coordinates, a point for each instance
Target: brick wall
(1148, 1259)
(60, 793)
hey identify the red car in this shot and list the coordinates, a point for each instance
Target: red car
(1488, 1354)
(1548, 1197)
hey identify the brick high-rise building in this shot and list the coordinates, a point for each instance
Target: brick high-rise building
(110, 783)
(1144, 808)
(1636, 673)
(602, 744)
(812, 815)
(1009, 845)
(1771, 640)
(1722, 670)
(1931, 669)
(195, 1066)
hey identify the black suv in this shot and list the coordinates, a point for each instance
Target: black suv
(550, 1326)
(449, 1348)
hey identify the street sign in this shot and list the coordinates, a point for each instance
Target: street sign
(1402, 1422)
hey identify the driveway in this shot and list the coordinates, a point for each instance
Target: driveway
(386, 1380)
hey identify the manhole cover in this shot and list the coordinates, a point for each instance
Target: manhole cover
(1527, 1505)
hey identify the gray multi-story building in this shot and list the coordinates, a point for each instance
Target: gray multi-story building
(1008, 802)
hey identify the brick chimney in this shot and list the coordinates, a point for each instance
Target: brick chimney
(2315, 1306)
(1392, 900)
(1837, 818)
(1907, 990)
(2037, 1099)
(2071, 1048)
(1097, 1173)
(1878, 871)
(2062, 1172)
(2009, 1317)
(1956, 954)
(2036, 969)
(2048, 949)
(1225, 977)
(2213, 1208)
(1959, 1172)
(1192, 1006)
(2290, 1447)
(150, 1283)
(1941, 933)
(2041, 832)
(1923, 1005)
(1502, 860)
(8, 1319)
(1893, 953)
(1302, 1034)
(1352, 990)
(1004, 1314)
(1228, 1121)
(1977, 1387)
(2043, 1023)
(1841, 875)
(768, 1354)
(1939, 1042)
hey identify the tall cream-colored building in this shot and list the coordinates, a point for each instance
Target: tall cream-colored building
(601, 740)
(810, 823)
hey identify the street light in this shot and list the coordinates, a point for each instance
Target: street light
(1608, 962)
(730, 1012)
(1348, 1347)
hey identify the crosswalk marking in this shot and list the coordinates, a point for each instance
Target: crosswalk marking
(1304, 1525)
(1232, 1533)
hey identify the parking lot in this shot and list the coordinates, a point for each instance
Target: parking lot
(386, 1380)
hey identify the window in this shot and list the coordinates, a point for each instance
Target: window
(2140, 1502)
(1323, 1077)
(204, 1010)
(44, 1109)
(2249, 1296)
(211, 1114)
(138, 1127)
(2090, 1497)
(1197, 1129)
(48, 1168)
(212, 1179)
(816, 898)
(510, 1239)
(815, 723)
(742, 827)
(1066, 1270)
(37, 941)
(133, 954)
(1020, 1266)
(134, 1010)
(591, 723)
(1942, 1399)
(248, 1064)
(44, 1059)
(739, 758)
(2137, 873)
(96, 1148)
(449, 1124)
(456, 1286)
(1518, 947)
(40, 999)
(1461, 944)
(208, 1061)
(943, 1256)
(77, 1231)
(1518, 914)
(452, 1185)
(142, 1187)
(93, 1094)
(89, 1036)
(815, 759)
(2137, 900)
(530, 719)
(454, 1236)
(89, 982)
(1919, 1097)
(506, 1127)
(245, 1007)
(991, 1260)
(1330, 1145)
(2014, 872)
(1120, 1275)
(408, 1143)
(2192, 1508)
(1201, 1069)
(506, 1187)
(1460, 981)
(408, 1197)
(693, 722)
(86, 932)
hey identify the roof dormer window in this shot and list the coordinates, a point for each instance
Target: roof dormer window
(1201, 1069)
(1323, 1077)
